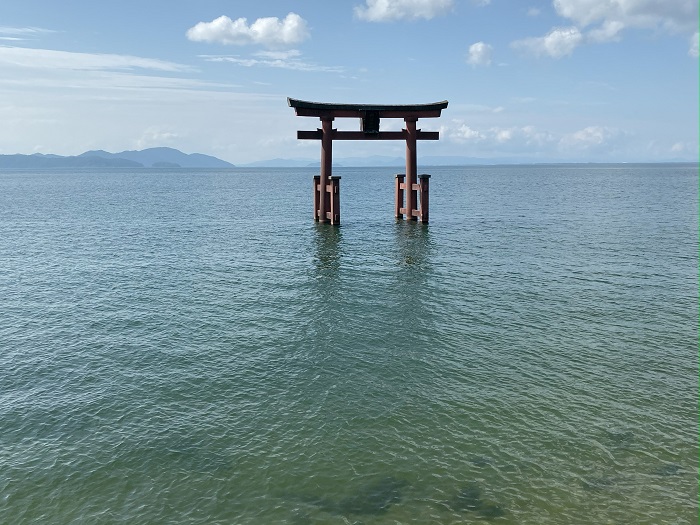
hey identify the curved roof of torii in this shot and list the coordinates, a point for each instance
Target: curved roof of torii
(305, 108)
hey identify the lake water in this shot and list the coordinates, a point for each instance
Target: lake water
(190, 347)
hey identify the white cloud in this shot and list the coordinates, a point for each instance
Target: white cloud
(533, 11)
(693, 51)
(666, 149)
(607, 32)
(155, 137)
(24, 31)
(504, 135)
(591, 138)
(275, 59)
(558, 43)
(671, 15)
(279, 55)
(517, 137)
(385, 10)
(465, 134)
(269, 32)
(587, 136)
(98, 76)
(533, 136)
(531, 141)
(678, 147)
(479, 54)
(598, 21)
(51, 59)
(525, 136)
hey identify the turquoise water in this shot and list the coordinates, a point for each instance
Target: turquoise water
(190, 347)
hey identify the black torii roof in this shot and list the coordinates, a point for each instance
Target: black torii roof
(305, 108)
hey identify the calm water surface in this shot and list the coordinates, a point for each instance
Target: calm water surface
(190, 347)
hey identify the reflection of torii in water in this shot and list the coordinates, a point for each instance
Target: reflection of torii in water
(327, 187)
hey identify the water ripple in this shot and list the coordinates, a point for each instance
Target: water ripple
(174, 352)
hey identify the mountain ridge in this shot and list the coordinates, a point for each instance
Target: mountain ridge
(164, 157)
(146, 158)
(170, 157)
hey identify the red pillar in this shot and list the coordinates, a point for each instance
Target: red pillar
(326, 167)
(334, 191)
(317, 183)
(424, 185)
(411, 167)
(398, 196)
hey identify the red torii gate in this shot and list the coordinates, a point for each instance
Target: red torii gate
(327, 187)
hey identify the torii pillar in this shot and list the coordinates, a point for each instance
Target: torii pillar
(411, 196)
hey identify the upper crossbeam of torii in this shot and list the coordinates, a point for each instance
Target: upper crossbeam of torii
(327, 187)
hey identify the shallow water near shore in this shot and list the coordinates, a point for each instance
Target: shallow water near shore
(184, 346)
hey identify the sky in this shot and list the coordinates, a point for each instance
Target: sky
(543, 80)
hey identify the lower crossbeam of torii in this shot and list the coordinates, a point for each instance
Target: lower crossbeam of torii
(411, 192)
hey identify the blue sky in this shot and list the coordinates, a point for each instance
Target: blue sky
(572, 80)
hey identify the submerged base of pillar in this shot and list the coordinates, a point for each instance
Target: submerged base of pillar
(328, 209)
(422, 191)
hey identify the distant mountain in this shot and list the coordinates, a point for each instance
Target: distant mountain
(150, 158)
(163, 157)
(38, 161)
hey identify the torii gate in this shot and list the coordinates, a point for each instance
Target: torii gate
(327, 187)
